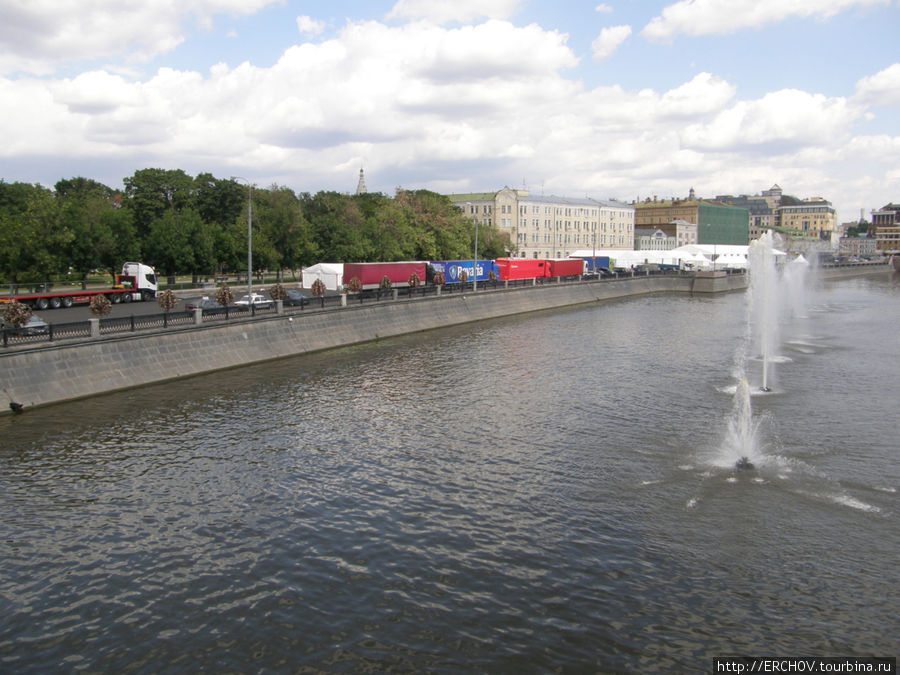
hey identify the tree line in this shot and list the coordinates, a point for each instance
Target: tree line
(181, 224)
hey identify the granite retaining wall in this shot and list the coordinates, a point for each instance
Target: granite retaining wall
(58, 372)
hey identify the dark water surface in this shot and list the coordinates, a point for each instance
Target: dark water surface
(524, 495)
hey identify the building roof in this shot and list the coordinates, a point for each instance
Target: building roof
(540, 199)
(575, 201)
(473, 197)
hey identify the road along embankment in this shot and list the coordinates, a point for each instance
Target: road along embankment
(60, 372)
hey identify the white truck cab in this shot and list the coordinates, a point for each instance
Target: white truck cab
(144, 277)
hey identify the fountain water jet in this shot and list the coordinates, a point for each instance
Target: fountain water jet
(741, 440)
(764, 300)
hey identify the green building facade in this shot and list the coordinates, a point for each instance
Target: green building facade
(722, 225)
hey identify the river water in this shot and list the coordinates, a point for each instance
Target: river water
(546, 492)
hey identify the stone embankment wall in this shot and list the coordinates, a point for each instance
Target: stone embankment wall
(59, 372)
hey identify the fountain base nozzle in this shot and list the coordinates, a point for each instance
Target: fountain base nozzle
(765, 389)
(744, 463)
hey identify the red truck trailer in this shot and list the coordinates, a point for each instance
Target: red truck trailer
(136, 282)
(371, 274)
(509, 269)
(565, 267)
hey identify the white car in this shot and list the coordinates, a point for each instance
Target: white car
(259, 301)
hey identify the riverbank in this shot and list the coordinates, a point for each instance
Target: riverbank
(61, 372)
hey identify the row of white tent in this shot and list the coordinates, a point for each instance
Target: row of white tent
(691, 257)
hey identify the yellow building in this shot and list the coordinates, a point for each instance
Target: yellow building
(811, 217)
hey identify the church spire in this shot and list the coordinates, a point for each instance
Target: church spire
(361, 186)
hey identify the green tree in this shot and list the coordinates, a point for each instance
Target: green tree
(32, 238)
(152, 192)
(282, 224)
(339, 227)
(218, 201)
(387, 228)
(221, 204)
(168, 246)
(102, 234)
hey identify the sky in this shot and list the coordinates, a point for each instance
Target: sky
(624, 99)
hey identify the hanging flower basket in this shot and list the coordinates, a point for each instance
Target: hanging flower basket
(17, 314)
(224, 296)
(167, 301)
(100, 305)
(277, 292)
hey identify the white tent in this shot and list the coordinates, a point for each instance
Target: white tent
(331, 274)
(731, 261)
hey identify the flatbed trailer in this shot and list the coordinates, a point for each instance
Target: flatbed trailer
(137, 282)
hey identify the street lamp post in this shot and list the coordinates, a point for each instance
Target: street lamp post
(249, 241)
(475, 261)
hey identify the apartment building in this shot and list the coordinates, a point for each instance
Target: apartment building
(549, 226)
(810, 218)
(886, 223)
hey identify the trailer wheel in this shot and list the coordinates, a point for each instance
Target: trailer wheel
(115, 298)
(126, 298)
(67, 302)
(42, 303)
(55, 303)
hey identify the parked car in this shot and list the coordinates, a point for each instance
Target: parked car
(295, 298)
(259, 301)
(204, 303)
(35, 326)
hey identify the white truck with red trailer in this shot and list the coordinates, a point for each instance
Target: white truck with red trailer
(136, 282)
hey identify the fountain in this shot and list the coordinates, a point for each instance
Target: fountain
(794, 283)
(741, 444)
(763, 293)
(741, 440)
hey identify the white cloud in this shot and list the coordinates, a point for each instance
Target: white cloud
(475, 107)
(788, 118)
(609, 40)
(459, 11)
(309, 26)
(721, 17)
(882, 88)
(603, 9)
(704, 95)
(36, 37)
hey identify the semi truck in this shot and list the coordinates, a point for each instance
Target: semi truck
(565, 267)
(370, 274)
(453, 269)
(136, 282)
(510, 269)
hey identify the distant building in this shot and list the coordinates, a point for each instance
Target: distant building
(797, 218)
(761, 209)
(716, 223)
(649, 239)
(810, 218)
(886, 224)
(857, 247)
(550, 226)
